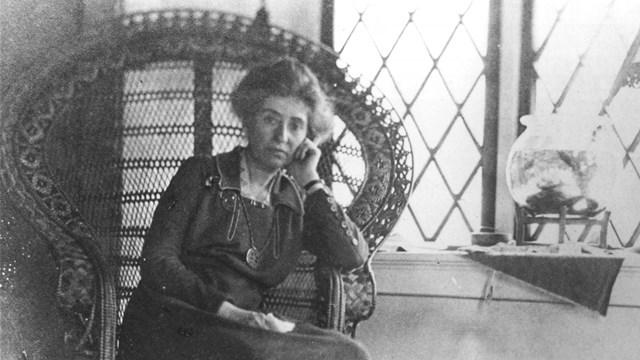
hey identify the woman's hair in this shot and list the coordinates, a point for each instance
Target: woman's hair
(286, 77)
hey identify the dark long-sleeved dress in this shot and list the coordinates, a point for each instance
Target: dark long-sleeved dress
(195, 257)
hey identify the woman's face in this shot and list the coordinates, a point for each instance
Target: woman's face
(276, 131)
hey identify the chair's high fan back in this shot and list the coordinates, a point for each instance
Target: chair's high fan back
(92, 138)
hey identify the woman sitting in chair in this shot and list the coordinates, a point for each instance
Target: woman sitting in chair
(229, 227)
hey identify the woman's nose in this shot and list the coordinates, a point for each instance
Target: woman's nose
(281, 132)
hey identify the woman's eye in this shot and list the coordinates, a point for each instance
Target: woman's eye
(297, 126)
(269, 119)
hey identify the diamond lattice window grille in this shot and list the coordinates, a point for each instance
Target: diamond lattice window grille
(428, 58)
(578, 49)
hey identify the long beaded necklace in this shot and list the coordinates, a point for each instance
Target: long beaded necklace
(258, 198)
(254, 255)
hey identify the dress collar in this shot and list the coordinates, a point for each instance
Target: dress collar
(284, 189)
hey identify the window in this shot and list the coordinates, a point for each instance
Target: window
(428, 58)
(578, 49)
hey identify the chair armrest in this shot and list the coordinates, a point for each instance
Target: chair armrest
(332, 297)
(324, 296)
(359, 288)
(297, 297)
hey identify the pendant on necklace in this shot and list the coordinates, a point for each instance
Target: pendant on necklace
(253, 257)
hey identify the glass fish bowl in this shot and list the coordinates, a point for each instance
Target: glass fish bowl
(562, 161)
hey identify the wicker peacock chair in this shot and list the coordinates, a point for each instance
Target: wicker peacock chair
(92, 137)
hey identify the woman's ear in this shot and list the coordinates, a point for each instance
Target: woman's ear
(318, 140)
(244, 138)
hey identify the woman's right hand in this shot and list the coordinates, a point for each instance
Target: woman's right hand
(253, 318)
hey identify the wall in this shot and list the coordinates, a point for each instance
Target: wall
(31, 28)
(27, 27)
(430, 307)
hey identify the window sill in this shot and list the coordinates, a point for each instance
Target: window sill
(451, 274)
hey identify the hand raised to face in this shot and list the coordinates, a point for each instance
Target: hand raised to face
(304, 165)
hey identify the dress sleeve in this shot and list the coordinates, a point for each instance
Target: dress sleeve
(330, 234)
(162, 270)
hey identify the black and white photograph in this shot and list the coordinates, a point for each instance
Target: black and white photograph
(319, 179)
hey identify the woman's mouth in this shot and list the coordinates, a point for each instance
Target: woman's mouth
(279, 152)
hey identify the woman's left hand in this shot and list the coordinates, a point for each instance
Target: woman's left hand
(278, 325)
(304, 165)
